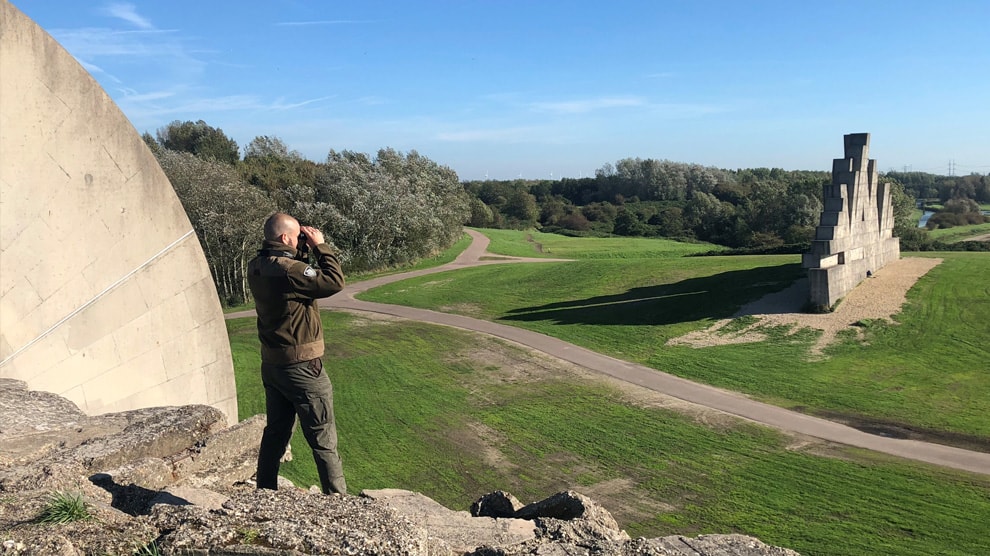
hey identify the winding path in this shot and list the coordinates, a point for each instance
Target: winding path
(701, 394)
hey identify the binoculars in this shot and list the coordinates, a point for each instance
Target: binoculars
(303, 246)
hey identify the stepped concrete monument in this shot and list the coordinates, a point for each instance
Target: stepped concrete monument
(105, 294)
(854, 237)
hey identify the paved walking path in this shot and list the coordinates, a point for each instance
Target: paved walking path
(708, 396)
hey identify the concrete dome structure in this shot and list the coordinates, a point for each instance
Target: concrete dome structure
(105, 294)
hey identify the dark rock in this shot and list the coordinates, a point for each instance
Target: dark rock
(496, 504)
(574, 516)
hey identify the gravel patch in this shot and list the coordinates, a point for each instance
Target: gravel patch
(879, 297)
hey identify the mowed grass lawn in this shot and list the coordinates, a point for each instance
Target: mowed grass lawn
(929, 372)
(455, 415)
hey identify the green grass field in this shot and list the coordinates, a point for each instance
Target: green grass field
(455, 415)
(928, 373)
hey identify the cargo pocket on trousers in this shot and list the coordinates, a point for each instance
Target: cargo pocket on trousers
(317, 410)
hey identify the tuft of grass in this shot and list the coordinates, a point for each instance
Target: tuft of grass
(150, 549)
(738, 324)
(64, 507)
(249, 536)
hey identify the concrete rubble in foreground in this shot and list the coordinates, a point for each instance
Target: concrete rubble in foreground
(179, 477)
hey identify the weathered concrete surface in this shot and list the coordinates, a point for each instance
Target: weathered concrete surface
(175, 476)
(452, 530)
(855, 232)
(105, 295)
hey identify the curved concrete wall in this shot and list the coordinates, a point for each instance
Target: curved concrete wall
(105, 295)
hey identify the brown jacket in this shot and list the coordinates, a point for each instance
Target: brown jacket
(285, 291)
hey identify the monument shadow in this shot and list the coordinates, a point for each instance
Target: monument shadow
(717, 296)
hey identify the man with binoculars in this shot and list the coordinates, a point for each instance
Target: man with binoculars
(286, 288)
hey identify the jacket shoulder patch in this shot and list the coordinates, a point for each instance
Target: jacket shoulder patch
(310, 272)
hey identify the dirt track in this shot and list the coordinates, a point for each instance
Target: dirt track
(645, 377)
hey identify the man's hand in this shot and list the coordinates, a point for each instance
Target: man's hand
(314, 237)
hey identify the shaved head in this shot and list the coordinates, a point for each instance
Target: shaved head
(280, 223)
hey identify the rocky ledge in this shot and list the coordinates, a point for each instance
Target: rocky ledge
(177, 480)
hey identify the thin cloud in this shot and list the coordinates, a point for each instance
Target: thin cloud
(91, 68)
(144, 109)
(133, 96)
(128, 13)
(90, 42)
(588, 105)
(279, 103)
(149, 106)
(686, 110)
(319, 22)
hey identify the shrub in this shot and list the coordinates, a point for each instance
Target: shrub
(64, 507)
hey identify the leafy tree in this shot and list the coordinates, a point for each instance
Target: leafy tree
(226, 213)
(481, 214)
(902, 205)
(264, 146)
(600, 212)
(576, 221)
(384, 211)
(920, 185)
(151, 142)
(628, 224)
(982, 188)
(553, 209)
(957, 212)
(200, 139)
(712, 220)
(669, 222)
(521, 209)
(271, 166)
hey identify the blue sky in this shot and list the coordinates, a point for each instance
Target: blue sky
(543, 89)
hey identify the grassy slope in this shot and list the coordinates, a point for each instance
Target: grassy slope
(441, 411)
(929, 372)
(959, 233)
(536, 244)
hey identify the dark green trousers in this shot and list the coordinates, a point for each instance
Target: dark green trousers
(303, 390)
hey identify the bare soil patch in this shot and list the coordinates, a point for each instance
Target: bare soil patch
(879, 297)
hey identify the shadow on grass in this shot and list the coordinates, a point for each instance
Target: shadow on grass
(715, 297)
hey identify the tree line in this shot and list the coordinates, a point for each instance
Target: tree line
(393, 208)
(929, 187)
(379, 211)
(756, 208)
